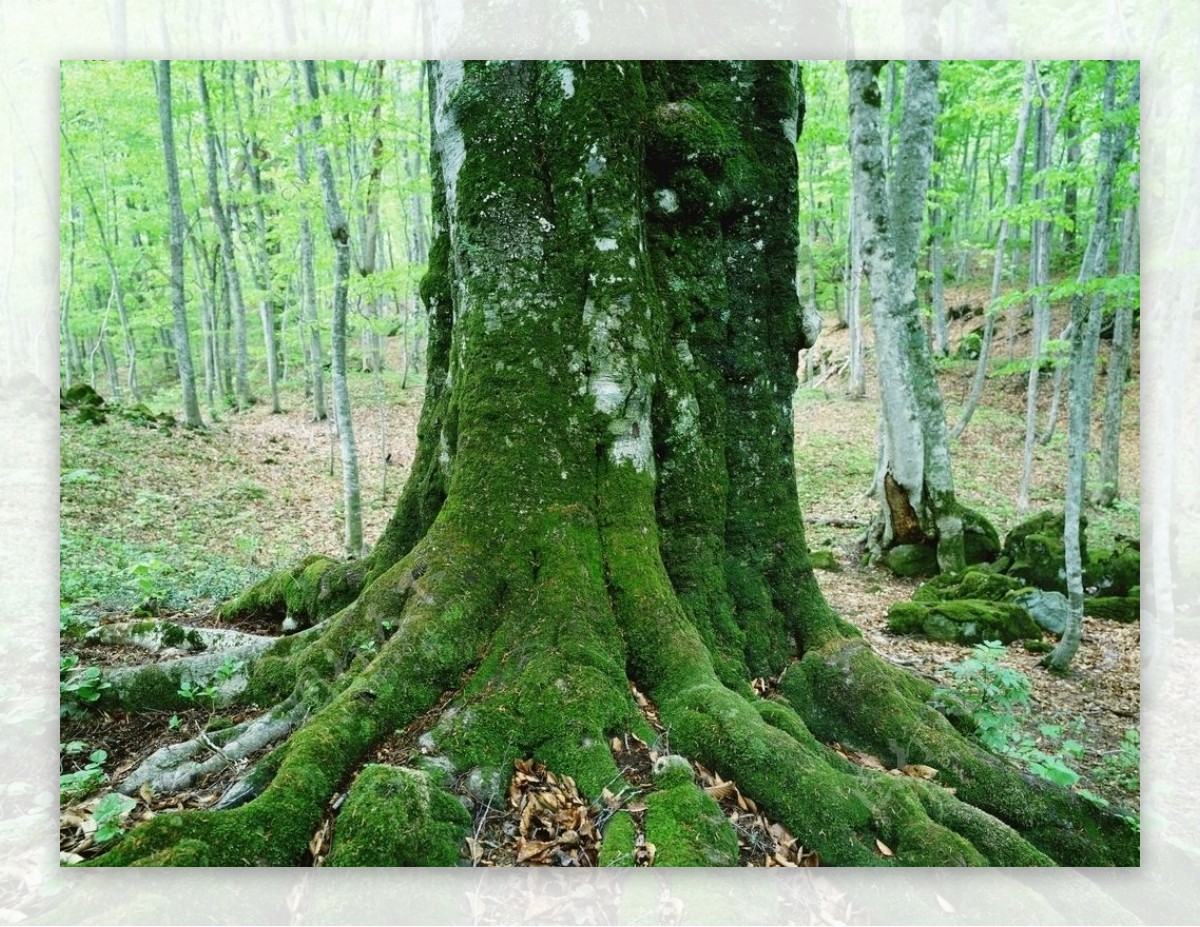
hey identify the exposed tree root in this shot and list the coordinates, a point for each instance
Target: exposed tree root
(157, 636)
(174, 768)
(157, 685)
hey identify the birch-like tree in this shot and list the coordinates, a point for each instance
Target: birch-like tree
(915, 485)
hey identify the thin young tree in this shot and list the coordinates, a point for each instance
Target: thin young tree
(1086, 312)
(233, 281)
(339, 231)
(308, 284)
(1012, 191)
(178, 232)
(1108, 488)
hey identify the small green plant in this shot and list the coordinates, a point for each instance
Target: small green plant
(208, 691)
(71, 623)
(1123, 768)
(85, 780)
(996, 698)
(174, 723)
(79, 687)
(108, 815)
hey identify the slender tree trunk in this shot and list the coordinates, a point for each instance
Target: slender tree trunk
(971, 170)
(107, 246)
(64, 316)
(340, 233)
(233, 283)
(308, 285)
(1108, 489)
(937, 269)
(916, 489)
(263, 267)
(1086, 313)
(858, 375)
(1016, 164)
(110, 364)
(373, 355)
(183, 347)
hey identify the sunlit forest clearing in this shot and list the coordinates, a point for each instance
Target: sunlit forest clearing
(169, 528)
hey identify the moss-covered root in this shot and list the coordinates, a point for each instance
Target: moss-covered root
(685, 824)
(845, 692)
(397, 817)
(316, 588)
(440, 632)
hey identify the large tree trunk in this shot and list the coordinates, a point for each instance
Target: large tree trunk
(605, 491)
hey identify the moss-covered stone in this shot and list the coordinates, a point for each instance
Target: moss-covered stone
(1035, 552)
(1125, 609)
(1116, 571)
(824, 560)
(911, 560)
(396, 817)
(1049, 609)
(688, 828)
(981, 541)
(967, 584)
(963, 621)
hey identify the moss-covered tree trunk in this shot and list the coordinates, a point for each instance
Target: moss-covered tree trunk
(604, 492)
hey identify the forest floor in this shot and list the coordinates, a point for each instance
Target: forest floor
(186, 519)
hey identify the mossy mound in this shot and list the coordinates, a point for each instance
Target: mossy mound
(396, 817)
(86, 403)
(1125, 609)
(1034, 551)
(912, 560)
(1114, 572)
(824, 560)
(965, 621)
(967, 584)
(318, 587)
(616, 849)
(981, 541)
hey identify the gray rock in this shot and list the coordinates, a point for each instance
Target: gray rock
(1049, 609)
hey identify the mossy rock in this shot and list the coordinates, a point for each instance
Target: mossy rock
(394, 816)
(912, 560)
(964, 621)
(1125, 609)
(981, 541)
(967, 584)
(687, 826)
(1049, 609)
(824, 560)
(80, 395)
(1114, 572)
(1036, 553)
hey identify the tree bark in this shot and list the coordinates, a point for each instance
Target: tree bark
(233, 282)
(308, 284)
(339, 231)
(1108, 488)
(604, 492)
(183, 347)
(915, 484)
(1012, 190)
(1086, 313)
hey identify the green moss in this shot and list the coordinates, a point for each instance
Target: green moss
(397, 817)
(981, 542)
(1115, 572)
(846, 692)
(1125, 609)
(824, 560)
(314, 589)
(912, 560)
(688, 828)
(616, 847)
(1035, 553)
(963, 621)
(968, 584)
